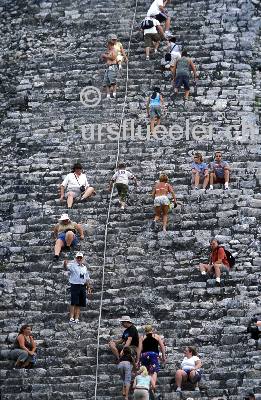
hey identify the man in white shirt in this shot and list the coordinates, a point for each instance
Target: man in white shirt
(80, 281)
(158, 11)
(121, 179)
(152, 36)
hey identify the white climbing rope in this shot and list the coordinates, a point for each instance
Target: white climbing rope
(109, 207)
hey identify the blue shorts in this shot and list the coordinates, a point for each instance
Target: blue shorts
(61, 236)
(197, 375)
(150, 360)
(78, 295)
(182, 80)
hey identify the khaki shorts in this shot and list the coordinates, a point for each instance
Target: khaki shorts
(149, 38)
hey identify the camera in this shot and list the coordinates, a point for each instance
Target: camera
(82, 188)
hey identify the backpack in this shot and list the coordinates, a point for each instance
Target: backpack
(147, 23)
(230, 258)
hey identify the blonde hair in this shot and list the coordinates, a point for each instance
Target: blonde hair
(148, 328)
(163, 178)
(143, 370)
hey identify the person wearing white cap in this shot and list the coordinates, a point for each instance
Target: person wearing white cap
(120, 52)
(65, 233)
(79, 279)
(130, 338)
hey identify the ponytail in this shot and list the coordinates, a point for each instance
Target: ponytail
(156, 90)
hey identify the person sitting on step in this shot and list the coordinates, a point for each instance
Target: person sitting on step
(142, 384)
(218, 261)
(79, 280)
(65, 233)
(110, 75)
(155, 103)
(199, 171)
(120, 52)
(125, 367)
(121, 180)
(219, 171)
(181, 73)
(150, 346)
(24, 348)
(130, 338)
(162, 201)
(190, 369)
(76, 185)
(158, 11)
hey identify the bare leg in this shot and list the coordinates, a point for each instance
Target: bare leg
(196, 179)
(114, 349)
(157, 213)
(58, 247)
(206, 180)
(154, 380)
(72, 311)
(167, 24)
(226, 175)
(69, 238)
(165, 210)
(186, 94)
(217, 270)
(152, 125)
(70, 200)
(204, 268)
(147, 51)
(180, 376)
(211, 178)
(88, 192)
(127, 388)
(76, 312)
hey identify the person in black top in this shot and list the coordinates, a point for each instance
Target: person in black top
(130, 338)
(150, 346)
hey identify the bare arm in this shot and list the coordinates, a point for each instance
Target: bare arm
(110, 185)
(148, 106)
(55, 231)
(61, 192)
(162, 347)
(198, 364)
(174, 70)
(80, 230)
(153, 192)
(193, 69)
(160, 30)
(139, 347)
(21, 342)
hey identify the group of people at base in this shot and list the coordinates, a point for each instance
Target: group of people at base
(142, 355)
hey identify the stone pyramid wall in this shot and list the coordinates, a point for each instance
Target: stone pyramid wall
(50, 51)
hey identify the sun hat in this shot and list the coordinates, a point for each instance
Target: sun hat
(79, 254)
(64, 217)
(125, 318)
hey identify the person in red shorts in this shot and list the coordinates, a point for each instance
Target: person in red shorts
(218, 261)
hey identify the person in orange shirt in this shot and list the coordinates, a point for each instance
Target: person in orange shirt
(218, 261)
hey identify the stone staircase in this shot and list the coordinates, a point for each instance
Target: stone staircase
(50, 52)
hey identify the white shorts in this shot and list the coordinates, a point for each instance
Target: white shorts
(161, 201)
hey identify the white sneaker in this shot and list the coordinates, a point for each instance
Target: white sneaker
(203, 273)
(76, 321)
(120, 66)
(108, 96)
(218, 280)
(226, 186)
(155, 51)
(178, 389)
(211, 187)
(195, 188)
(114, 94)
(167, 34)
(71, 321)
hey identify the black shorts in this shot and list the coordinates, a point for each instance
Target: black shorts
(78, 295)
(160, 17)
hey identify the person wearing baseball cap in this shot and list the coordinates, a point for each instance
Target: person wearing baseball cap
(130, 338)
(79, 279)
(65, 233)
